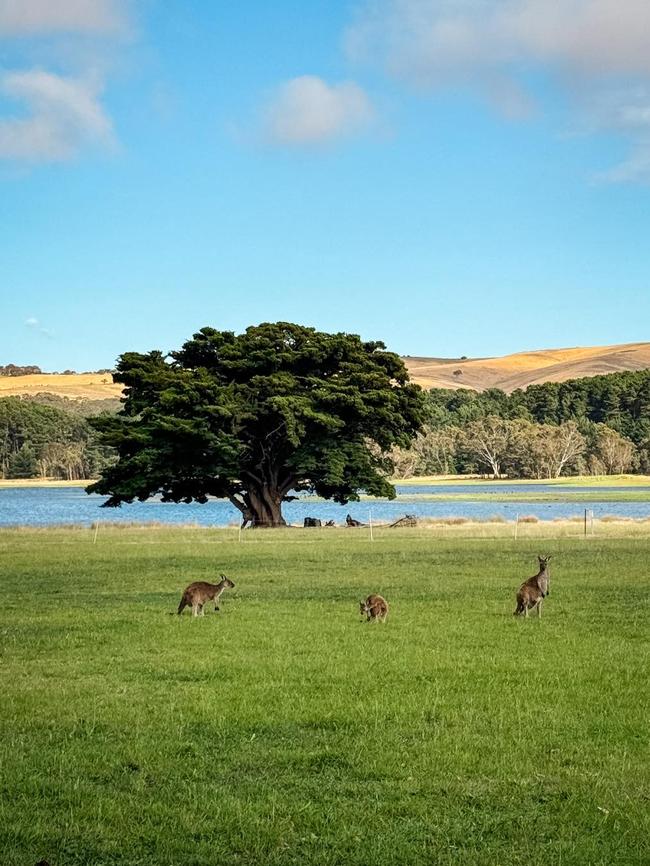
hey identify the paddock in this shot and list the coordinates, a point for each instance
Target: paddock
(284, 730)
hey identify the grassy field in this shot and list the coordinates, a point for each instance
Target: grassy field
(564, 494)
(564, 481)
(76, 386)
(283, 730)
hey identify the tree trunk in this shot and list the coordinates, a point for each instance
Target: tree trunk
(266, 506)
(260, 506)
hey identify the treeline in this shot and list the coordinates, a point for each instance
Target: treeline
(39, 439)
(33, 369)
(16, 370)
(598, 425)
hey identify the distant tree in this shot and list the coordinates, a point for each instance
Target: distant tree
(543, 402)
(491, 441)
(15, 370)
(559, 447)
(22, 463)
(48, 436)
(257, 415)
(613, 452)
(644, 456)
(431, 453)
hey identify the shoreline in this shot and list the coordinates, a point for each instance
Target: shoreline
(477, 481)
(45, 483)
(581, 489)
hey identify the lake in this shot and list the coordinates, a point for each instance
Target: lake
(48, 506)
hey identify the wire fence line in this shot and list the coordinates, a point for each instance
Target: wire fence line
(524, 529)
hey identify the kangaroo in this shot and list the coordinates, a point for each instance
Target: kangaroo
(534, 590)
(197, 593)
(375, 608)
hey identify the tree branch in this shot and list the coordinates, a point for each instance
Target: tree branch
(238, 503)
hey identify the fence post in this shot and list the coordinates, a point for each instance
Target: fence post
(516, 525)
(370, 523)
(96, 531)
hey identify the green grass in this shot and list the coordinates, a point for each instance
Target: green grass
(564, 481)
(563, 494)
(283, 730)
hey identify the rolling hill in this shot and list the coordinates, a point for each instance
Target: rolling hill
(528, 368)
(508, 372)
(79, 386)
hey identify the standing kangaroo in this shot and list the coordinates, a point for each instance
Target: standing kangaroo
(534, 590)
(197, 593)
(375, 608)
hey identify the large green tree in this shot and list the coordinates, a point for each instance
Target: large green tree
(255, 416)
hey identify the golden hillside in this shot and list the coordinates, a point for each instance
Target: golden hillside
(528, 368)
(507, 373)
(80, 386)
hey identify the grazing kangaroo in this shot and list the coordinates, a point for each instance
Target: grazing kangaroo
(375, 608)
(534, 590)
(197, 593)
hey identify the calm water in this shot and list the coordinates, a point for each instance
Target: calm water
(70, 505)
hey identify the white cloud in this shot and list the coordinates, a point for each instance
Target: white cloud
(431, 41)
(63, 116)
(595, 49)
(34, 324)
(27, 17)
(57, 112)
(309, 111)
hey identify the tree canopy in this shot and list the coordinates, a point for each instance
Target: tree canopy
(255, 416)
(48, 440)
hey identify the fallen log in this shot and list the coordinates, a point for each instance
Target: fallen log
(407, 520)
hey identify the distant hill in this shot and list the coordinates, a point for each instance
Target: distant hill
(76, 386)
(507, 373)
(528, 368)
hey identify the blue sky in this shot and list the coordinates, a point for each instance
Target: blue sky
(454, 179)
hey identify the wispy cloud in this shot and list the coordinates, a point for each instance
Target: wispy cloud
(595, 49)
(63, 116)
(308, 111)
(34, 325)
(27, 17)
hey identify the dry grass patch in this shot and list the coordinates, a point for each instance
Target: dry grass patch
(89, 386)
